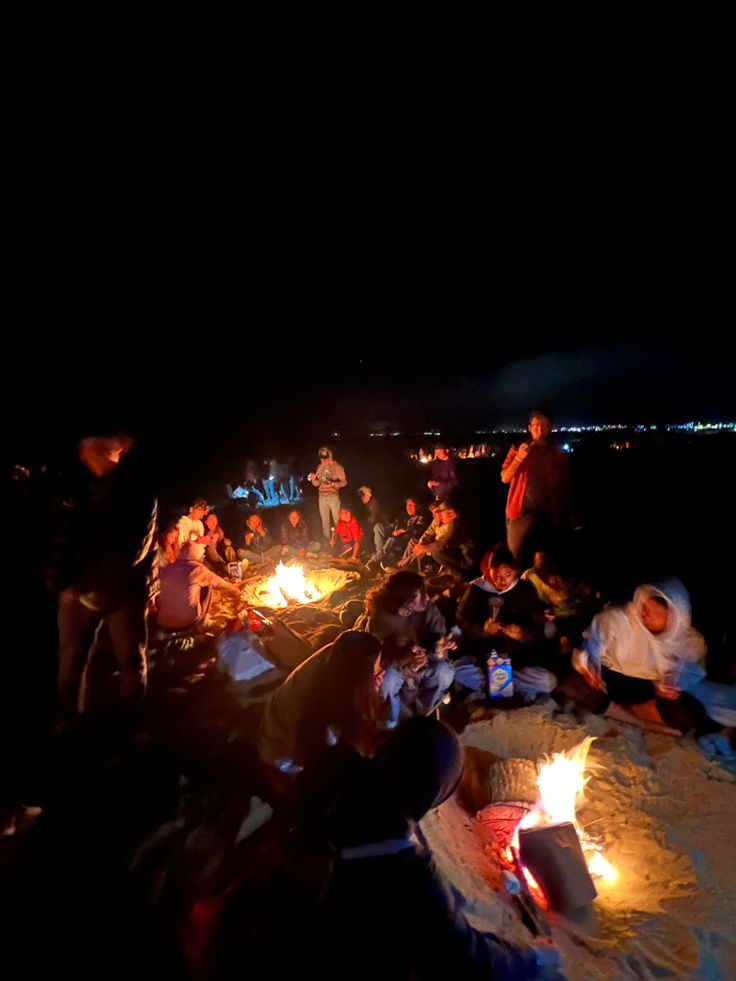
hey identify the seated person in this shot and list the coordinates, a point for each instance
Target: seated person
(331, 698)
(442, 543)
(294, 535)
(568, 610)
(216, 543)
(415, 644)
(642, 656)
(373, 518)
(380, 866)
(392, 539)
(500, 612)
(191, 528)
(168, 545)
(345, 540)
(186, 591)
(258, 546)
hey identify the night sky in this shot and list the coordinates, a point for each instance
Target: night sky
(352, 304)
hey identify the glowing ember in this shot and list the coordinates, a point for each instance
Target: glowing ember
(561, 783)
(288, 584)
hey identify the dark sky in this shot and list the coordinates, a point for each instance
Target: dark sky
(349, 304)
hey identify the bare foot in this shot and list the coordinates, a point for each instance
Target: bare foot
(639, 715)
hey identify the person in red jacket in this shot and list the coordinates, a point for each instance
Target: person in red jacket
(346, 536)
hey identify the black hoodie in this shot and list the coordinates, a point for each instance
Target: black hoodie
(387, 913)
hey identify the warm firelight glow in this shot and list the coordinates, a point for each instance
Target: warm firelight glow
(289, 584)
(561, 783)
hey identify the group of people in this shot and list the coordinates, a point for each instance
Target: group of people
(368, 699)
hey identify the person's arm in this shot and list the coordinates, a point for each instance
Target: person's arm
(340, 478)
(316, 477)
(513, 461)
(205, 577)
(456, 948)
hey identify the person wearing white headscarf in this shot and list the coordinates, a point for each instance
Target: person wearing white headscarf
(646, 654)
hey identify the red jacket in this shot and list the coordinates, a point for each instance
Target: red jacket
(348, 532)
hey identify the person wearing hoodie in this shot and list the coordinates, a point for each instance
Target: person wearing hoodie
(387, 913)
(329, 477)
(640, 658)
(502, 612)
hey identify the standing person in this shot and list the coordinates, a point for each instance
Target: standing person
(104, 545)
(444, 474)
(538, 502)
(328, 478)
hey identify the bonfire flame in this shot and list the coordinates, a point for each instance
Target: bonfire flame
(288, 584)
(561, 783)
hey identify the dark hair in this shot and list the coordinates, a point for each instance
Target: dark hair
(500, 554)
(394, 593)
(346, 696)
(536, 413)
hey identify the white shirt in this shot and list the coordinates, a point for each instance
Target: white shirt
(189, 529)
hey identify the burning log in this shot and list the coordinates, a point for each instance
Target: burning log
(553, 855)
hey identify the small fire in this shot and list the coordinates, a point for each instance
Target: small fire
(287, 584)
(561, 783)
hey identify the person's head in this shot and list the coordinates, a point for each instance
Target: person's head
(441, 452)
(101, 454)
(540, 425)
(365, 494)
(191, 552)
(345, 514)
(411, 506)
(499, 567)
(294, 518)
(325, 453)
(211, 521)
(254, 522)
(417, 769)
(403, 593)
(435, 507)
(654, 614)
(447, 514)
(349, 684)
(170, 535)
(199, 510)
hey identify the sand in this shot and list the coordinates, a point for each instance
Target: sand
(667, 818)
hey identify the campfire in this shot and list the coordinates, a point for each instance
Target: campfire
(291, 586)
(547, 834)
(288, 584)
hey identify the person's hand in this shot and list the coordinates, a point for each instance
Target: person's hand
(311, 476)
(249, 537)
(398, 531)
(585, 667)
(514, 632)
(492, 628)
(445, 644)
(420, 549)
(432, 484)
(666, 691)
(522, 451)
(547, 957)
(417, 659)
